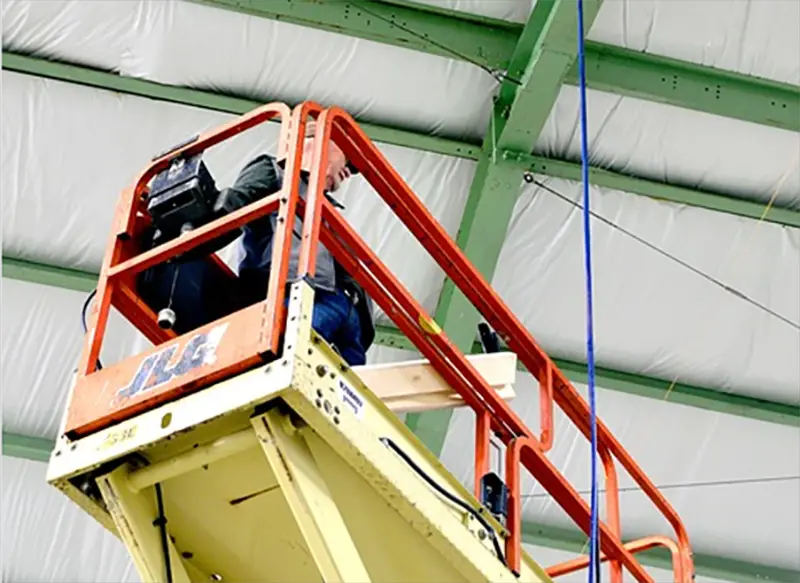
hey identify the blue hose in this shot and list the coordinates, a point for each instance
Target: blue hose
(594, 551)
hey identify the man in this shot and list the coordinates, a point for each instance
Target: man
(198, 294)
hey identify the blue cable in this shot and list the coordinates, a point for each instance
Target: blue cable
(594, 551)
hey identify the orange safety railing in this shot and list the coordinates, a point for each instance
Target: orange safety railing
(493, 414)
(257, 329)
(97, 401)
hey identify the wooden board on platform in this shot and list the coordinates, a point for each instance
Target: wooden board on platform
(414, 386)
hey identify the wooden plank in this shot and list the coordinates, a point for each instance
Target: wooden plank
(415, 386)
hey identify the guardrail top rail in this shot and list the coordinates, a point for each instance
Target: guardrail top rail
(91, 409)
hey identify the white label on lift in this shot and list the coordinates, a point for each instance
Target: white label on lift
(352, 399)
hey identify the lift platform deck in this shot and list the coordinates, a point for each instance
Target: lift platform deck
(248, 450)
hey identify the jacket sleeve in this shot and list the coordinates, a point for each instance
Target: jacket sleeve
(255, 181)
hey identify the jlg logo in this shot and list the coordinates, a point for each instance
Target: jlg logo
(154, 371)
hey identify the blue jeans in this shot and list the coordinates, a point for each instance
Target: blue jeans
(336, 319)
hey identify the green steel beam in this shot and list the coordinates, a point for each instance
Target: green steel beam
(548, 166)
(545, 52)
(672, 82)
(43, 274)
(624, 382)
(27, 448)
(490, 43)
(541, 535)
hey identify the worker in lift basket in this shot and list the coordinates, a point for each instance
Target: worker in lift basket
(199, 294)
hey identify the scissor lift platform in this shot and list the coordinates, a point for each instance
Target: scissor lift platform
(293, 471)
(246, 450)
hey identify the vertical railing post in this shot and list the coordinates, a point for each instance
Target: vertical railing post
(546, 409)
(314, 196)
(514, 524)
(483, 435)
(292, 146)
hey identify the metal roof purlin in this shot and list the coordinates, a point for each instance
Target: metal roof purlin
(546, 50)
(568, 170)
(26, 447)
(682, 84)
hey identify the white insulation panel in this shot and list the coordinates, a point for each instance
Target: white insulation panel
(48, 538)
(652, 315)
(44, 324)
(713, 468)
(757, 38)
(510, 10)
(67, 150)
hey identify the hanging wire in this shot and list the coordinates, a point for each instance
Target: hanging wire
(722, 285)
(689, 485)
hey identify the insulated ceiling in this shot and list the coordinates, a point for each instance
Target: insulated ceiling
(68, 149)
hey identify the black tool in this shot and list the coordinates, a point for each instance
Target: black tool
(184, 197)
(489, 340)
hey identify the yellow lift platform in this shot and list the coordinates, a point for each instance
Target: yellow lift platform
(293, 471)
(254, 453)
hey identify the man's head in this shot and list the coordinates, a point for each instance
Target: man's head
(338, 169)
